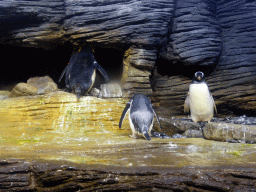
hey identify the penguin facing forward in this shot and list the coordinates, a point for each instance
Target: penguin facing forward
(81, 72)
(199, 100)
(141, 116)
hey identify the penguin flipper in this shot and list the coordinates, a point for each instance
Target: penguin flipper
(157, 119)
(68, 67)
(63, 72)
(126, 109)
(102, 71)
(215, 109)
(186, 105)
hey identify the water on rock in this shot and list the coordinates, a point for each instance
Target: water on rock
(58, 127)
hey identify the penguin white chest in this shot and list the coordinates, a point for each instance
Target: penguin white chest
(200, 102)
(93, 79)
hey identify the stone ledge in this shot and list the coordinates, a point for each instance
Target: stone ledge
(66, 176)
(230, 132)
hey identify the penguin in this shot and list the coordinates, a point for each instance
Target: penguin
(81, 71)
(199, 100)
(141, 116)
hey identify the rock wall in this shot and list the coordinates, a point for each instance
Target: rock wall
(217, 37)
(173, 38)
(195, 34)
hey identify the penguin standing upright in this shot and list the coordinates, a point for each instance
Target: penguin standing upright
(199, 100)
(141, 116)
(81, 71)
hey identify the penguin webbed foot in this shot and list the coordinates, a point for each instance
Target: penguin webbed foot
(159, 135)
(133, 136)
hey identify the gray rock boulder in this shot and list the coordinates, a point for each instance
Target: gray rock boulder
(110, 90)
(113, 90)
(191, 133)
(230, 132)
(43, 84)
(23, 89)
(34, 86)
(173, 126)
(4, 94)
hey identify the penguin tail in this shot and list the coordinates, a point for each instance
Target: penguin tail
(146, 135)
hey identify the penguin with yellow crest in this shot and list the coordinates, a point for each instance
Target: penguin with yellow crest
(199, 100)
(81, 71)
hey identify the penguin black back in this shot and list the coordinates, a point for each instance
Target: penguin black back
(141, 103)
(141, 116)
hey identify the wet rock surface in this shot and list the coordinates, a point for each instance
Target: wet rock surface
(173, 126)
(230, 129)
(67, 145)
(244, 120)
(230, 132)
(193, 134)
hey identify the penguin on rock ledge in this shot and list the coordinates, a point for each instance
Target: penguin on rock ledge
(199, 101)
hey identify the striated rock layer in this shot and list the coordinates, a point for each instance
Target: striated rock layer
(51, 176)
(172, 38)
(216, 37)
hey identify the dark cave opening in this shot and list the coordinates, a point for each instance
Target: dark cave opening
(112, 61)
(21, 63)
(180, 68)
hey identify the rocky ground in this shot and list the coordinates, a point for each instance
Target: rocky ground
(231, 129)
(54, 142)
(33, 176)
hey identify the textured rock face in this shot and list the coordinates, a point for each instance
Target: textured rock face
(54, 177)
(216, 37)
(60, 109)
(195, 33)
(219, 36)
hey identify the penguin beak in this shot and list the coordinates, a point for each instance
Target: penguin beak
(78, 92)
(78, 95)
(146, 135)
(199, 78)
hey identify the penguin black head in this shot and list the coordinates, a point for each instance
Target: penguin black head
(199, 77)
(80, 90)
